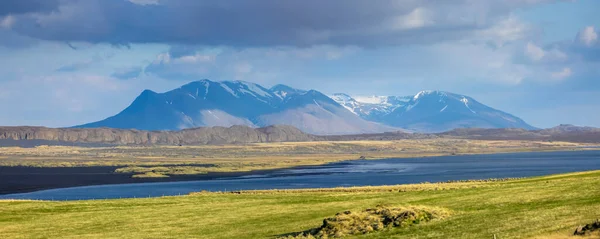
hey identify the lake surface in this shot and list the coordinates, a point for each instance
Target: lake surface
(350, 173)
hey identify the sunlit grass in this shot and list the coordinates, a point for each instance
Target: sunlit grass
(538, 207)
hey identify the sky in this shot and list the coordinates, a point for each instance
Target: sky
(68, 62)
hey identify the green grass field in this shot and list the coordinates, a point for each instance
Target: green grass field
(540, 207)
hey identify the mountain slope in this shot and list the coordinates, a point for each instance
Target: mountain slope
(430, 111)
(209, 103)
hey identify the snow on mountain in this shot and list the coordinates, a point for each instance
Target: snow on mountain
(346, 101)
(284, 91)
(224, 86)
(429, 111)
(227, 103)
(370, 106)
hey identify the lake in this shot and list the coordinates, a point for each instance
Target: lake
(349, 173)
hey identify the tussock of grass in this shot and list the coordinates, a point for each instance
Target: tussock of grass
(371, 220)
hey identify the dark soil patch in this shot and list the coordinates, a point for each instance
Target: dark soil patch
(19, 179)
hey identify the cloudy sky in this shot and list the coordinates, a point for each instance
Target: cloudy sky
(67, 62)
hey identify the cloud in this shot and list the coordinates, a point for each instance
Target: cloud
(564, 73)
(534, 52)
(7, 21)
(81, 65)
(265, 23)
(128, 73)
(13, 7)
(253, 64)
(588, 36)
(417, 18)
(505, 31)
(145, 2)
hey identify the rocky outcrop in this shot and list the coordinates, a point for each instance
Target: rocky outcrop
(588, 229)
(195, 136)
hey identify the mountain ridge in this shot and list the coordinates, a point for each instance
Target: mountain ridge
(226, 103)
(430, 111)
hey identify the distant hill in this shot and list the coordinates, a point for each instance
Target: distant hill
(33, 136)
(195, 136)
(429, 111)
(208, 103)
(568, 133)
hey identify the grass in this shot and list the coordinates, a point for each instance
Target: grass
(161, 171)
(539, 207)
(174, 160)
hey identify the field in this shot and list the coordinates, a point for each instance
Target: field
(162, 161)
(540, 207)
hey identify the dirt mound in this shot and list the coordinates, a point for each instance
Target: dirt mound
(373, 219)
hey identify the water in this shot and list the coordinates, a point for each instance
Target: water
(351, 173)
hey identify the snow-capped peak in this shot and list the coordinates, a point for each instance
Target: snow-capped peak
(371, 99)
(341, 97)
(422, 93)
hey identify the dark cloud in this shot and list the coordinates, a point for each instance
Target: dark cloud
(256, 23)
(12, 40)
(16, 7)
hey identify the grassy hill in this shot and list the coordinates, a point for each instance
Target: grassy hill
(539, 207)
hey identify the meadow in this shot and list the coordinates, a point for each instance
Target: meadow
(539, 207)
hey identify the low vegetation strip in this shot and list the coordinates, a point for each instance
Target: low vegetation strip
(371, 220)
(426, 186)
(538, 207)
(161, 171)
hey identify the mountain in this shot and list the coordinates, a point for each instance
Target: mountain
(566, 133)
(195, 136)
(429, 111)
(208, 103)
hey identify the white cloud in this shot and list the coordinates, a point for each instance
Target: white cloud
(564, 73)
(197, 58)
(417, 18)
(534, 52)
(7, 22)
(588, 36)
(508, 30)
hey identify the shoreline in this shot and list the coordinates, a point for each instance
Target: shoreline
(28, 179)
(33, 179)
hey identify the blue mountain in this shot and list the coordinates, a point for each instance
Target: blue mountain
(227, 103)
(429, 111)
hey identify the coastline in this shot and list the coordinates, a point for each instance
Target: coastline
(32, 179)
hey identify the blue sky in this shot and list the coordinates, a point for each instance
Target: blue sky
(67, 62)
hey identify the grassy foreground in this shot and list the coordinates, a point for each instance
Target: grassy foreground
(540, 207)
